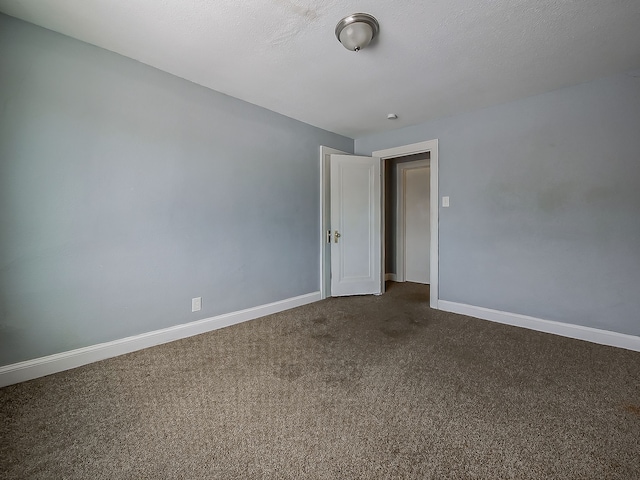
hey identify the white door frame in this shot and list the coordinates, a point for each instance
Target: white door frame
(430, 146)
(400, 213)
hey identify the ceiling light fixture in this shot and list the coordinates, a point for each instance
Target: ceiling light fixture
(356, 31)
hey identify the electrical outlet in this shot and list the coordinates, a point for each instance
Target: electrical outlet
(196, 304)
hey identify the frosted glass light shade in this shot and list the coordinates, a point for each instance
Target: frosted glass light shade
(356, 36)
(356, 31)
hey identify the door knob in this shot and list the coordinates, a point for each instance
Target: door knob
(336, 236)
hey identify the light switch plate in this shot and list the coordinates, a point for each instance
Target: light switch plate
(445, 201)
(196, 304)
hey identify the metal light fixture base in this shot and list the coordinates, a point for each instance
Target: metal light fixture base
(354, 18)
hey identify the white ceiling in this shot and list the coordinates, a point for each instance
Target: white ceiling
(431, 59)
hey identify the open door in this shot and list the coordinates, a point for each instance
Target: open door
(355, 225)
(414, 240)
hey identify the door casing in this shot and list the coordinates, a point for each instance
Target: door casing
(430, 146)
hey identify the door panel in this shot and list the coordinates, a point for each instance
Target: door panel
(355, 215)
(417, 234)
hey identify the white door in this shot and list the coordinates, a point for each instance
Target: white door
(355, 225)
(416, 223)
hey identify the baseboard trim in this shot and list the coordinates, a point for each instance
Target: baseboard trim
(594, 335)
(39, 367)
(390, 277)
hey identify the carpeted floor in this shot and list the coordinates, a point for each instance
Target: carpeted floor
(361, 387)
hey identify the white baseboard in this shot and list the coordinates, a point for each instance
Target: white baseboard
(390, 277)
(594, 335)
(39, 367)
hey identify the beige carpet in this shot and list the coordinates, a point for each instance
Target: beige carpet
(362, 387)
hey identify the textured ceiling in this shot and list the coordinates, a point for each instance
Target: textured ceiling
(431, 59)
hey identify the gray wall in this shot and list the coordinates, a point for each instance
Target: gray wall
(125, 192)
(545, 204)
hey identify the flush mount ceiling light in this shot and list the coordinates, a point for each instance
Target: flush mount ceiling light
(357, 30)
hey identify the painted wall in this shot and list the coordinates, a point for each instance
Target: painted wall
(545, 203)
(125, 192)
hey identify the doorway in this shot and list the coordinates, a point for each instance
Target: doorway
(430, 146)
(407, 219)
